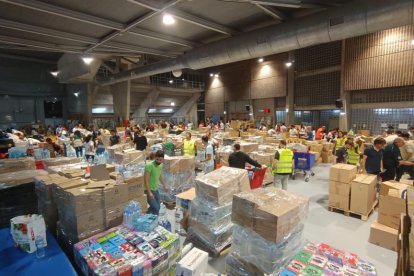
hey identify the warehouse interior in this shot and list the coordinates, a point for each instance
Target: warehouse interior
(249, 65)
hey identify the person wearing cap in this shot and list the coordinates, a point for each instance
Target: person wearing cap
(238, 159)
(283, 165)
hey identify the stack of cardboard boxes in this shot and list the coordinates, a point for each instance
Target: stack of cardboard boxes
(264, 158)
(340, 178)
(384, 232)
(327, 153)
(316, 149)
(210, 224)
(267, 232)
(248, 147)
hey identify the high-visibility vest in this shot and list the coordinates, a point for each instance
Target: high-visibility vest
(284, 164)
(353, 157)
(189, 147)
(339, 143)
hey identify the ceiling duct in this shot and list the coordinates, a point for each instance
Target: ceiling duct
(73, 69)
(354, 19)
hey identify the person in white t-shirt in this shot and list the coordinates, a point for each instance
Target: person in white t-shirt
(209, 152)
(89, 148)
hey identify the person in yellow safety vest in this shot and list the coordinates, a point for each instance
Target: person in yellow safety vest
(283, 166)
(339, 141)
(349, 154)
(189, 145)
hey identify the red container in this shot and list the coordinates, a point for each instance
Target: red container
(256, 177)
(39, 165)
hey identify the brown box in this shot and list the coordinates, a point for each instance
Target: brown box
(143, 201)
(78, 200)
(338, 188)
(176, 164)
(316, 147)
(328, 147)
(365, 132)
(343, 173)
(59, 161)
(219, 186)
(332, 159)
(363, 193)
(326, 156)
(262, 157)
(114, 215)
(249, 147)
(317, 154)
(272, 213)
(391, 203)
(410, 202)
(115, 194)
(271, 140)
(136, 186)
(129, 156)
(384, 236)
(339, 202)
(12, 165)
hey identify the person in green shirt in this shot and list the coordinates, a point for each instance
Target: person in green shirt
(152, 178)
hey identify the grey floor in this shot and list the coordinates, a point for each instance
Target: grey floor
(346, 233)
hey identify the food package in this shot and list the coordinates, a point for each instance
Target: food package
(268, 256)
(272, 213)
(193, 264)
(384, 236)
(178, 164)
(218, 186)
(25, 229)
(129, 156)
(12, 165)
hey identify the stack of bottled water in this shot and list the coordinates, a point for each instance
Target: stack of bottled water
(145, 223)
(131, 212)
(17, 152)
(163, 219)
(130, 170)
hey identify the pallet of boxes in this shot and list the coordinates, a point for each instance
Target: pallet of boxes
(179, 174)
(268, 230)
(385, 231)
(210, 226)
(405, 260)
(352, 193)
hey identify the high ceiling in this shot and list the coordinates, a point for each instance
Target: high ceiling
(44, 29)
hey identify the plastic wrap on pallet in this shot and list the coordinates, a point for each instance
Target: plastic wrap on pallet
(12, 165)
(262, 157)
(11, 179)
(219, 186)
(213, 239)
(298, 147)
(272, 213)
(177, 164)
(58, 161)
(223, 153)
(268, 256)
(129, 156)
(131, 170)
(235, 266)
(122, 251)
(203, 212)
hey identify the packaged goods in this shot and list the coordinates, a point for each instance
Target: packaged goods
(58, 161)
(193, 264)
(363, 193)
(24, 230)
(262, 157)
(339, 201)
(328, 147)
(342, 173)
(249, 147)
(339, 188)
(392, 203)
(223, 154)
(238, 267)
(271, 212)
(12, 165)
(268, 256)
(326, 155)
(203, 212)
(384, 236)
(297, 147)
(219, 186)
(178, 164)
(129, 156)
(316, 147)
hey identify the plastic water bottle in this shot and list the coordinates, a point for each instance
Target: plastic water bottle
(163, 220)
(178, 218)
(40, 247)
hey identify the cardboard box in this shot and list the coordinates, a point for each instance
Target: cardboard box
(326, 156)
(193, 264)
(249, 147)
(365, 132)
(184, 199)
(410, 202)
(363, 193)
(143, 201)
(271, 140)
(332, 159)
(78, 200)
(272, 213)
(328, 147)
(115, 194)
(59, 161)
(262, 157)
(136, 186)
(316, 147)
(342, 173)
(384, 236)
(338, 188)
(219, 186)
(339, 202)
(129, 156)
(317, 154)
(176, 164)
(13, 165)
(114, 215)
(391, 203)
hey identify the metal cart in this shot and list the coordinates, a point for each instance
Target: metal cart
(256, 176)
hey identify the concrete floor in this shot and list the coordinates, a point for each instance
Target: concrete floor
(346, 233)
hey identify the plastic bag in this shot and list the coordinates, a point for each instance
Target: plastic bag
(25, 229)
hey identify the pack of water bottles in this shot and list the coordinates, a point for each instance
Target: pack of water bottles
(17, 152)
(131, 212)
(177, 183)
(202, 211)
(41, 154)
(130, 170)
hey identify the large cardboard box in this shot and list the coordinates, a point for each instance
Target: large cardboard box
(136, 186)
(78, 200)
(365, 132)
(58, 161)
(316, 147)
(391, 203)
(176, 164)
(249, 147)
(219, 186)
(410, 202)
(317, 154)
(342, 173)
(272, 213)
(193, 264)
(328, 147)
(339, 201)
(263, 157)
(339, 188)
(129, 156)
(384, 236)
(326, 156)
(115, 194)
(363, 193)
(12, 165)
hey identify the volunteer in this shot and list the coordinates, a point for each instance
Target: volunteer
(320, 133)
(238, 159)
(52, 147)
(89, 148)
(152, 178)
(391, 159)
(209, 155)
(283, 165)
(140, 140)
(189, 145)
(114, 139)
(372, 160)
(339, 140)
(348, 154)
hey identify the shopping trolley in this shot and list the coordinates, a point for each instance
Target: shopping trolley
(256, 176)
(304, 162)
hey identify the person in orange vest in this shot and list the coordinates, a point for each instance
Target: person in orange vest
(320, 133)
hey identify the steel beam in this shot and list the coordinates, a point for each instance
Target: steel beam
(273, 12)
(40, 45)
(31, 59)
(163, 37)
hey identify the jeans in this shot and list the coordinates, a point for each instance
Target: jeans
(280, 181)
(154, 204)
(389, 174)
(78, 151)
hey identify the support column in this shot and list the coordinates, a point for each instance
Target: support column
(91, 90)
(186, 107)
(345, 116)
(290, 90)
(121, 93)
(140, 114)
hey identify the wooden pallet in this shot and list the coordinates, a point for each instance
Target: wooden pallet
(363, 217)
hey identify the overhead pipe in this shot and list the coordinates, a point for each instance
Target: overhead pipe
(353, 19)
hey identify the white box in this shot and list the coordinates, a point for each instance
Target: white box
(193, 264)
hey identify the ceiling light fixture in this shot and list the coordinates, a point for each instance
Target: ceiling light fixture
(76, 94)
(211, 75)
(216, 75)
(183, 79)
(171, 81)
(168, 19)
(288, 64)
(54, 73)
(172, 103)
(260, 60)
(87, 60)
